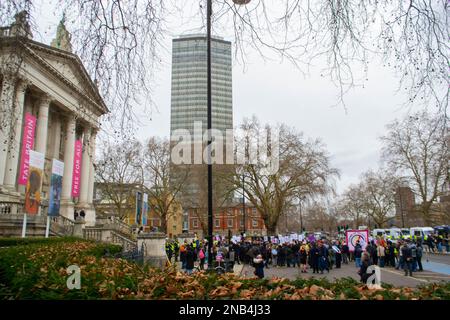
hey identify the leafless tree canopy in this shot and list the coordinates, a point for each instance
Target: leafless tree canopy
(371, 200)
(417, 148)
(165, 185)
(117, 40)
(304, 169)
(118, 170)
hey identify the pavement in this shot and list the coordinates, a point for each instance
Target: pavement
(388, 274)
(237, 268)
(436, 269)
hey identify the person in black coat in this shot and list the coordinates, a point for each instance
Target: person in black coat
(190, 258)
(258, 263)
(314, 257)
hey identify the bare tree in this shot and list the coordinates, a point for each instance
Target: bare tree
(351, 205)
(118, 40)
(118, 173)
(319, 217)
(416, 147)
(165, 184)
(378, 195)
(303, 168)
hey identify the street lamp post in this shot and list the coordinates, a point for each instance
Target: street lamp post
(301, 217)
(209, 125)
(243, 200)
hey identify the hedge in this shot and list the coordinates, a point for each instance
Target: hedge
(38, 271)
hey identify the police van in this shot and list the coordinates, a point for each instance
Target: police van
(421, 232)
(379, 233)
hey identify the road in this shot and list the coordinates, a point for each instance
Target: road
(435, 270)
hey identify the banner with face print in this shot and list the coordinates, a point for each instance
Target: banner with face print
(355, 236)
(34, 183)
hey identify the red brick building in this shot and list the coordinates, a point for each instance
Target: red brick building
(229, 218)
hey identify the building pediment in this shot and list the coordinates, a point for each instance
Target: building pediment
(69, 67)
(64, 65)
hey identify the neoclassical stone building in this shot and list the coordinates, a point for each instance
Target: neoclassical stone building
(50, 83)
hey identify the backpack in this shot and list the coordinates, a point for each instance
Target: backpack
(201, 254)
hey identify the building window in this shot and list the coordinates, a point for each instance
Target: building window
(230, 223)
(254, 223)
(217, 223)
(242, 222)
(194, 223)
(254, 210)
(241, 211)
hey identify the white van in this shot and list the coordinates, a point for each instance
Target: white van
(406, 233)
(421, 232)
(394, 233)
(378, 233)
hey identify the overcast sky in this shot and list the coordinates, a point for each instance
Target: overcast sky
(277, 92)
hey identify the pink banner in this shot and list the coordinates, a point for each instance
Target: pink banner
(77, 168)
(27, 145)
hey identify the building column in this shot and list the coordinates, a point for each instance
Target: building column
(69, 152)
(57, 136)
(12, 159)
(6, 106)
(42, 125)
(85, 167)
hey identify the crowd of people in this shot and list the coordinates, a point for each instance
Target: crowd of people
(316, 257)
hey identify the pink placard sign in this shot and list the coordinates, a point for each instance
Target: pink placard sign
(27, 145)
(77, 168)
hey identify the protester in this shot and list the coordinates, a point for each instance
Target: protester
(274, 256)
(314, 258)
(419, 256)
(201, 257)
(358, 253)
(345, 253)
(323, 258)
(303, 255)
(407, 259)
(190, 259)
(365, 263)
(338, 255)
(258, 263)
(381, 254)
(183, 256)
